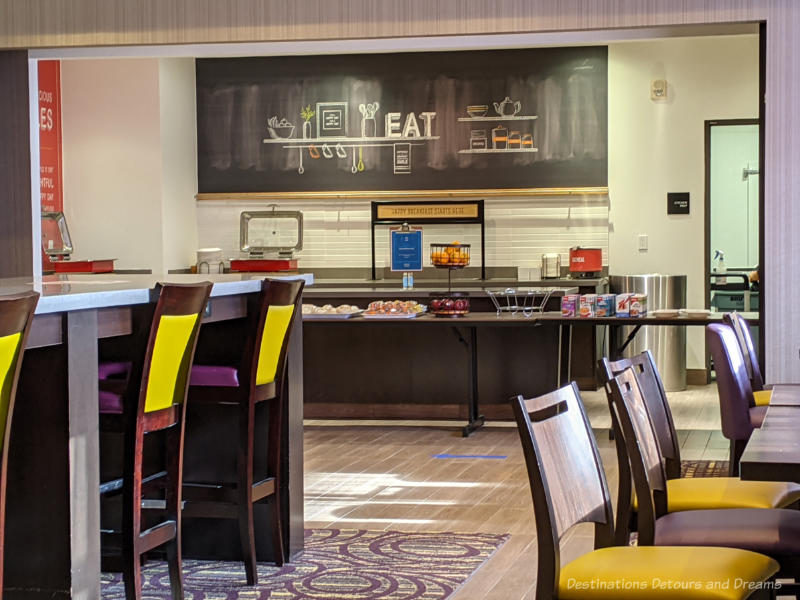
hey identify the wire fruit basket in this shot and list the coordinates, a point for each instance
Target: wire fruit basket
(524, 300)
(450, 256)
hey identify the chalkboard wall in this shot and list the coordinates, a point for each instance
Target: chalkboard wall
(501, 119)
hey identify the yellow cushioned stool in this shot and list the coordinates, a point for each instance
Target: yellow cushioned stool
(256, 382)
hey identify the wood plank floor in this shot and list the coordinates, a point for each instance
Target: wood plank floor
(391, 476)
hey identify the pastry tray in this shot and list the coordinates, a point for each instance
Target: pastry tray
(393, 316)
(332, 316)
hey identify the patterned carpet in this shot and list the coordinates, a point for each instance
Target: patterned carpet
(335, 565)
(704, 468)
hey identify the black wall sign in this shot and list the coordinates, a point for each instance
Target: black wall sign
(500, 119)
(678, 203)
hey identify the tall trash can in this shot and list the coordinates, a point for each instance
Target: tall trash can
(667, 343)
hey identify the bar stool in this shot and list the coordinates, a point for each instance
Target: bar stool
(259, 377)
(158, 404)
(16, 316)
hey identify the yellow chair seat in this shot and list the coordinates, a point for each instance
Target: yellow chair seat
(664, 572)
(702, 493)
(762, 397)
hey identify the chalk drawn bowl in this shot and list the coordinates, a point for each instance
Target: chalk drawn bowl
(477, 110)
(281, 132)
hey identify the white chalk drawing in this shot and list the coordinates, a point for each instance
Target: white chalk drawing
(402, 159)
(504, 139)
(508, 107)
(331, 119)
(369, 127)
(402, 131)
(307, 114)
(280, 130)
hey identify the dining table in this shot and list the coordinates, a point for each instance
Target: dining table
(52, 537)
(773, 451)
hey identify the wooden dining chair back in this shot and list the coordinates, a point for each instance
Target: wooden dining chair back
(16, 316)
(259, 377)
(655, 396)
(566, 476)
(738, 413)
(643, 450)
(743, 336)
(160, 406)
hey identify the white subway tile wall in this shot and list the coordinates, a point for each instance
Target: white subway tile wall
(337, 233)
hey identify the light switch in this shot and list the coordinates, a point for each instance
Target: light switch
(643, 242)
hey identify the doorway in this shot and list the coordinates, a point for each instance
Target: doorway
(733, 208)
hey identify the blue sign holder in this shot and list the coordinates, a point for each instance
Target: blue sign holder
(406, 248)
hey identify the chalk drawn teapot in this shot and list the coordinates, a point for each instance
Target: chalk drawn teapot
(507, 108)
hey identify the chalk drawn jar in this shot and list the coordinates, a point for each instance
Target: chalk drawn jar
(500, 138)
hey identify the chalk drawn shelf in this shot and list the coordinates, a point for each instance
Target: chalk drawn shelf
(509, 118)
(347, 141)
(497, 150)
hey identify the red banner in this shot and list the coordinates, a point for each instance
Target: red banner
(50, 166)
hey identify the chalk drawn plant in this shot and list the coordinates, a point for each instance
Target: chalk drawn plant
(307, 114)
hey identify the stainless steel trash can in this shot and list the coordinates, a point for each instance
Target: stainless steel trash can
(667, 343)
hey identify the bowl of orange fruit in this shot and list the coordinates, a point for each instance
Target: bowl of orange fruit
(452, 256)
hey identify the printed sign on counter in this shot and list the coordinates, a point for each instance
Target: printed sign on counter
(406, 250)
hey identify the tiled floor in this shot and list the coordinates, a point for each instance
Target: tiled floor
(390, 475)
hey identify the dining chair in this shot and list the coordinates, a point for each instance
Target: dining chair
(683, 493)
(158, 405)
(738, 413)
(568, 487)
(761, 393)
(16, 316)
(257, 380)
(774, 532)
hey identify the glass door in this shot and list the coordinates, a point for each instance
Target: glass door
(733, 203)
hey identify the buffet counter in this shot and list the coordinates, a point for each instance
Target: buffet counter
(429, 367)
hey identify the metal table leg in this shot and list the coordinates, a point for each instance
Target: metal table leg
(475, 420)
(564, 353)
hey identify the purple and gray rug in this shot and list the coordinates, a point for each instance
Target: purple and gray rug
(336, 564)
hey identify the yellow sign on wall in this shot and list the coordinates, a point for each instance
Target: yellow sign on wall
(428, 211)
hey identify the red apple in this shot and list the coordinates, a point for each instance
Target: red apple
(449, 304)
(436, 304)
(462, 304)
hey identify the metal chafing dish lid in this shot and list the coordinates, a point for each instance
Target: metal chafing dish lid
(55, 235)
(271, 231)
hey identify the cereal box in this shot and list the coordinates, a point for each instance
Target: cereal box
(638, 305)
(606, 305)
(623, 305)
(588, 306)
(569, 305)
